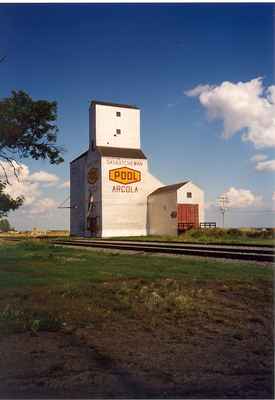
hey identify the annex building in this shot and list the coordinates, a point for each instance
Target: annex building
(113, 192)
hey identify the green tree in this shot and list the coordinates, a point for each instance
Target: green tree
(7, 203)
(27, 130)
(4, 225)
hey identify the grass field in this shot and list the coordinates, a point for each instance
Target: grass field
(251, 236)
(133, 325)
(217, 236)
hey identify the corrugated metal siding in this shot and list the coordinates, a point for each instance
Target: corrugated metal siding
(77, 196)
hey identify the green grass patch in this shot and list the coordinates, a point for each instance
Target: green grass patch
(47, 287)
(40, 263)
(215, 236)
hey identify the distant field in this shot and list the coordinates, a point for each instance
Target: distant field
(97, 324)
(244, 236)
(34, 234)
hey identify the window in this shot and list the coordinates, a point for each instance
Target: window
(173, 214)
(189, 195)
(118, 114)
(118, 131)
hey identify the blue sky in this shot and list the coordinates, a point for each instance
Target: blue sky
(147, 55)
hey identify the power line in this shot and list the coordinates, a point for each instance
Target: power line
(62, 204)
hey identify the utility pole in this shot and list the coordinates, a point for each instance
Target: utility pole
(223, 204)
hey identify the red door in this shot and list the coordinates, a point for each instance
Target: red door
(188, 214)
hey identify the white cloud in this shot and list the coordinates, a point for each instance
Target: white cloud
(11, 170)
(240, 198)
(17, 184)
(43, 206)
(37, 210)
(244, 107)
(198, 90)
(29, 186)
(44, 177)
(262, 164)
(65, 184)
(209, 204)
(268, 165)
(258, 157)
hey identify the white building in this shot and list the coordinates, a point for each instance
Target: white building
(174, 208)
(112, 190)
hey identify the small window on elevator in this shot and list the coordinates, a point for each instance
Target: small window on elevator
(118, 131)
(118, 114)
(189, 195)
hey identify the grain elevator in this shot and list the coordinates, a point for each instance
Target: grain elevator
(113, 192)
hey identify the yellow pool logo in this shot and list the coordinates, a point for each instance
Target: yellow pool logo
(124, 175)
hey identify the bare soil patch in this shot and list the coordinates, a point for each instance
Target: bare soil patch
(130, 338)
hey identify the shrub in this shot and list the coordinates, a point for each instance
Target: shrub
(254, 234)
(233, 232)
(195, 233)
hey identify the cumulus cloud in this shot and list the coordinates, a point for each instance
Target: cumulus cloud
(44, 177)
(244, 107)
(65, 184)
(209, 205)
(262, 164)
(11, 170)
(240, 198)
(17, 183)
(198, 90)
(258, 157)
(268, 165)
(30, 187)
(43, 206)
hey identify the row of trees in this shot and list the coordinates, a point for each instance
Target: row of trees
(27, 130)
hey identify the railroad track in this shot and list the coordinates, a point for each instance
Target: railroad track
(240, 253)
(262, 254)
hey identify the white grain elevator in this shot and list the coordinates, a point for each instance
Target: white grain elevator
(111, 183)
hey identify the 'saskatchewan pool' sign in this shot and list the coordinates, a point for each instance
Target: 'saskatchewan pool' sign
(124, 175)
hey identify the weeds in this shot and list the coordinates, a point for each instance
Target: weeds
(229, 234)
(9, 314)
(153, 301)
(162, 296)
(43, 322)
(216, 235)
(39, 292)
(20, 319)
